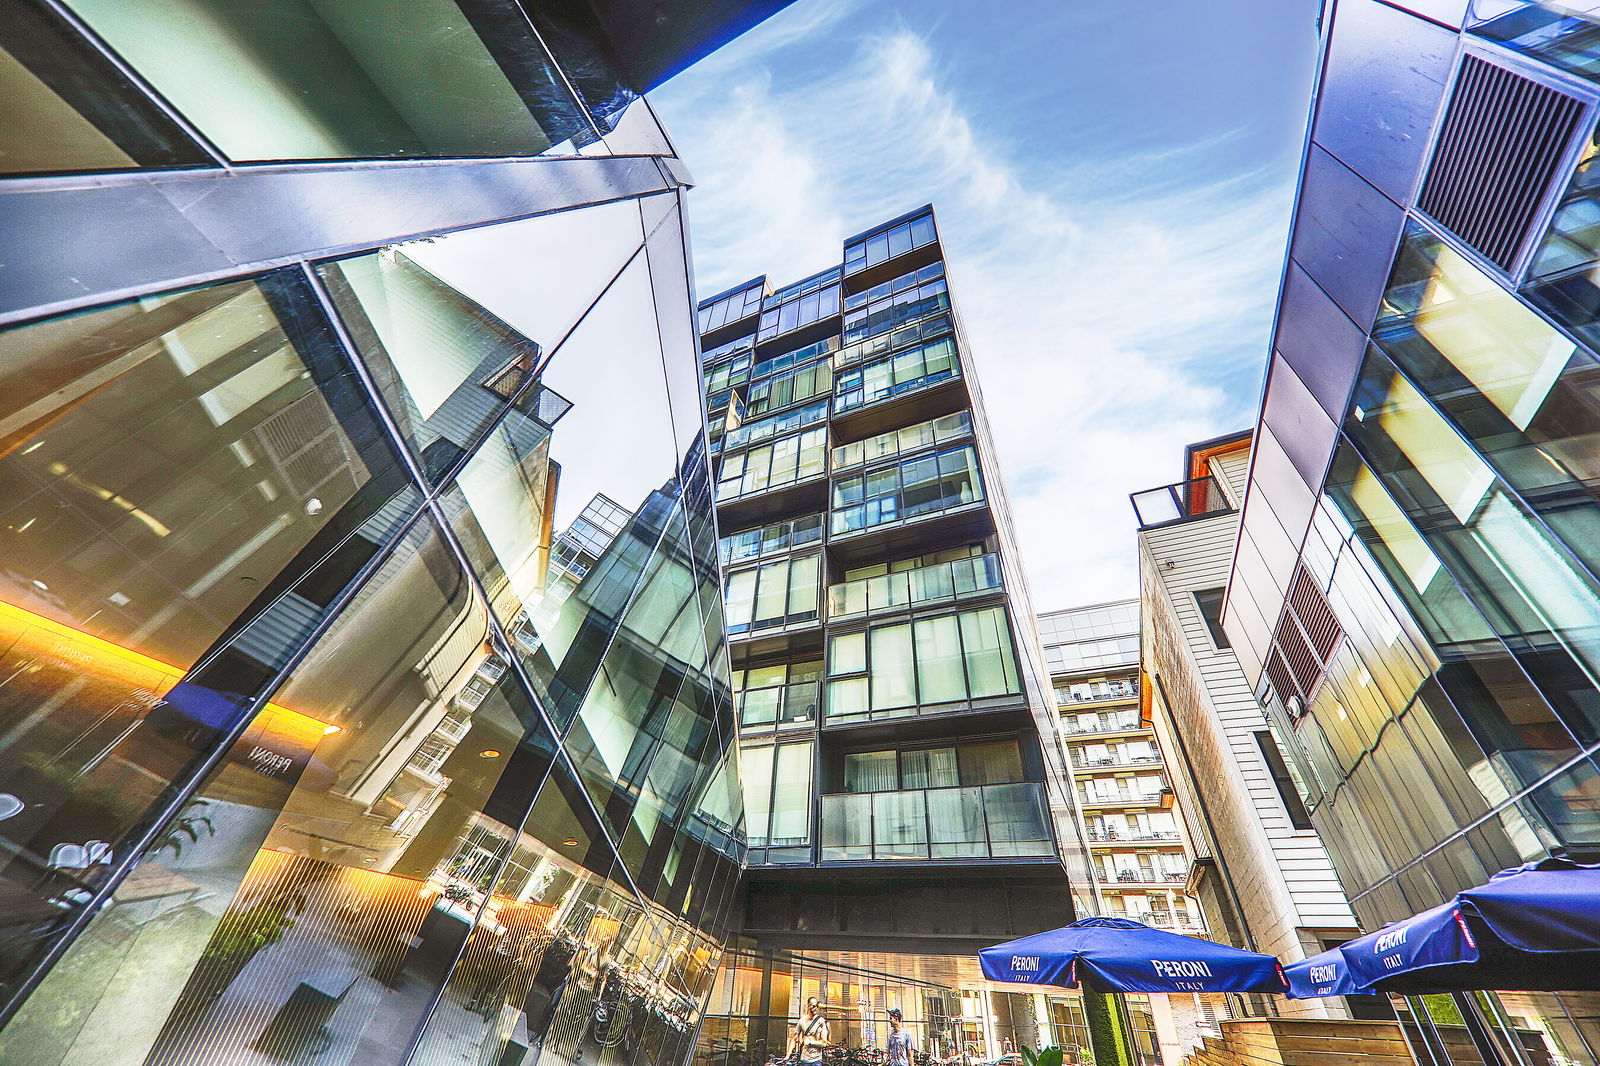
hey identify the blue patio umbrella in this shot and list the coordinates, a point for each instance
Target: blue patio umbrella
(1118, 955)
(1534, 928)
(1327, 974)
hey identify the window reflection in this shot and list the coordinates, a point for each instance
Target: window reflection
(93, 118)
(323, 80)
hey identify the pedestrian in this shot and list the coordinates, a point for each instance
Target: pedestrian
(900, 1050)
(810, 1035)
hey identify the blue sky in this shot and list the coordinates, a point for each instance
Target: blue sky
(1113, 184)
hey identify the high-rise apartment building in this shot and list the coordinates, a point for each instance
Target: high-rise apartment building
(364, 691)
(897, 735)
(1138, 842)
(1136, 833)
(1415, 593)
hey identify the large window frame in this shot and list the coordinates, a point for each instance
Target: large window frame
(911, 667)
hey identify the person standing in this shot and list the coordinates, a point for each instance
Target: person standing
(810, 1035)
(899, 1040)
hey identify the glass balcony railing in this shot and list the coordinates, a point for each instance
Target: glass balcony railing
(1179, 502)
(939, 583)
(780, 705)
(1101, 836)
(968, 822)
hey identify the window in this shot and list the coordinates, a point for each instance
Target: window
(902, 441)
(730, 308)
(777, 794)
(96, 117)
(770, 466)
(734, 372)
(1210, 604)
(800, 304)
(774, 364)
(881, 247)
(771, 540)
(778, 695)
(895, 303)
(1282, 781)
(897, 374)
(775, 594)
(348, 81)
(792, 387)
(913, 488)
(786, 422)
(990, 762)
(889, 671)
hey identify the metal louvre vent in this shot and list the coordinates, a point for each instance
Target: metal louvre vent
(1304, 640)
(1503, 136)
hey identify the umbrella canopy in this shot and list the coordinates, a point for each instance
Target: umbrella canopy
(1534, 928)
(1327, 974)
(1118, 955)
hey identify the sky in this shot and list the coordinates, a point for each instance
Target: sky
(1113, 185)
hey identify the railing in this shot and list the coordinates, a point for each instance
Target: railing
(1181, 923)
(898, 442)
(1141, 877)
(780, 705)
(969, 822)
(1114, 725)
(939, 583)
(1113, 692)
(1179, 502)
(1079, 763)
(1105, 835)
(1118, 799)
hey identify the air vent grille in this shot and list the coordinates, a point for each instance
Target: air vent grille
(1502, 139)
(1304, 641)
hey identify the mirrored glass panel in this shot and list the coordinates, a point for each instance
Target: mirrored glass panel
(319, 79)
(187, 482)
(67, 109)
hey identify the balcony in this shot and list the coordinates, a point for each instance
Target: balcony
(1181, 501)
(1113, 762)
(940, 583)
(1180, 923)
(1120, 690)
(1121, 836)
(1128, 723)
(780, 706)
(969, 822)
(1161, 799)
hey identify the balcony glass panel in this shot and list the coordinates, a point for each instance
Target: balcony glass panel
(974, 822)
(779, 705)
(774, 539)
(910, 667)
(916, 488)
(880, 247)
(770, 466)
(902, 441)
(897, 375)
(873, 316)
(940, 583)
(1179, 502)
(751, 432)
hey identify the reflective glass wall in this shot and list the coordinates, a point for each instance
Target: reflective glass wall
(365, 695)
(1416, 585)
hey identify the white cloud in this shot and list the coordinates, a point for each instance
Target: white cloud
(1113, 318)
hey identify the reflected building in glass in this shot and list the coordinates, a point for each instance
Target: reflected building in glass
(900, 756)
(365, 693)
(1416, 590)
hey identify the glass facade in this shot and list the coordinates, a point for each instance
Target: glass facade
(1446, 516)
(871, 588)
(366, 695)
